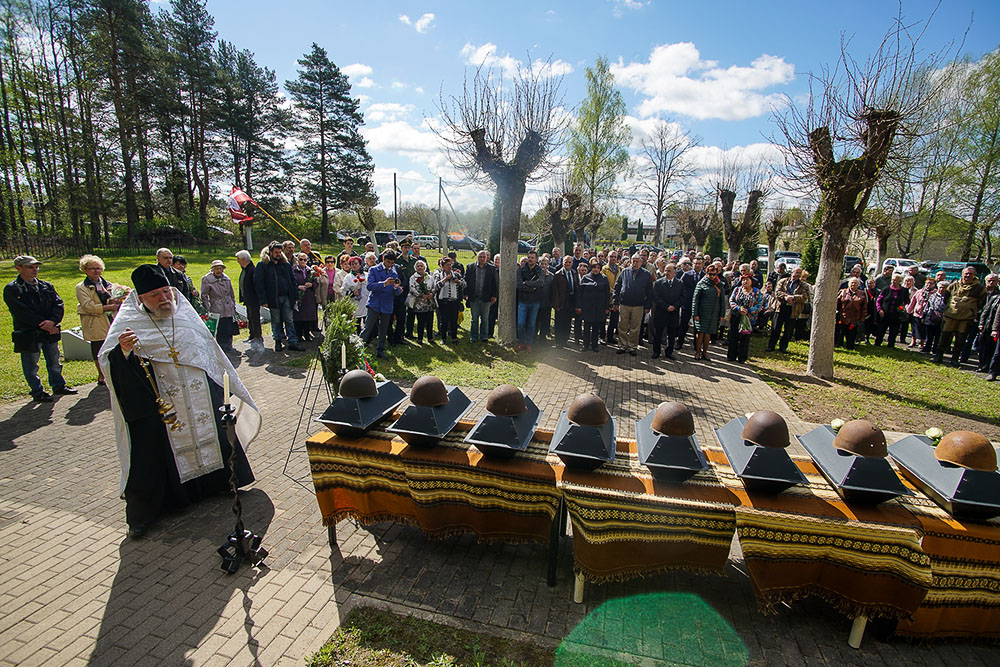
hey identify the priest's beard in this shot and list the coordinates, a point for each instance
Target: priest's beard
(165, 310)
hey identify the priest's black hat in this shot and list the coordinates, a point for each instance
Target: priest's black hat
(149, 277)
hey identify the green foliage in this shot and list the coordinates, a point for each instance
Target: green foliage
(714, 245)
(339, 330)
(598, 139)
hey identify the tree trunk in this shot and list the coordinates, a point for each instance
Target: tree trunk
(770, 256)
(824, 315)
(511, 193)
(883, 249)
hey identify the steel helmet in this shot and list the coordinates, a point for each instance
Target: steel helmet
(506, 401)
(673, 418)
(862, 438)
(588, 410)
(767, 429)
(967, 449)
(358, 384)
(429, 392)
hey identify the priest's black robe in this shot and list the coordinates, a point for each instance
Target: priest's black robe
(153, 485)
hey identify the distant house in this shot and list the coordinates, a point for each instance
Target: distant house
(669, 236)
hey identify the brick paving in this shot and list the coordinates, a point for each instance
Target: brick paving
(75, 590)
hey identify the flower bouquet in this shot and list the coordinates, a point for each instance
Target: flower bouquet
(119, 292)
(745, 327)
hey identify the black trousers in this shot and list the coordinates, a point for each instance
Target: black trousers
(592, 334)
(850, 334)
(885, 324)
(661, 327)
(411, 316)
(448, 319)
(682, 327)
(612, 330)
(932, 333)
(783, 328)
(494, 313)
(739, 344)
(425, 324)
(564, 321)
(543, 324)
(987, 346)
(253, 322)
(398, 318)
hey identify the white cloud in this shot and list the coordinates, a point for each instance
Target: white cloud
(644, 129)
(400, 137)
(365, 82)
(424, 23)
(486, 55)
(398, 84)
(622, 6)
(356, 69)
(677, 80)
(418, 90)
(386, 111)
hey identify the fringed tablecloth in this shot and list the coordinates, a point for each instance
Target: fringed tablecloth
(626, 524)
(964, 597)
(807, 541)
(445, 490)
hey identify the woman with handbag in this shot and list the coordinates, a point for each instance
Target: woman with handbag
(96, 306)
(744, 304)
(707, 309)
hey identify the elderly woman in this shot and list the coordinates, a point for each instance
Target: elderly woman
(916, 308)
(219, 299)
(543, 324)
(909, 285)
(95, 306)
(934, 314)
(593, 303)
(355, 286)
(180, 264)
(707, 310)
(305, 312)
(852, 302)
(744, 304)
(420, 301)
(891, 308)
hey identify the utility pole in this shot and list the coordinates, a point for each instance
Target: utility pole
(395, 224)
(442, 237)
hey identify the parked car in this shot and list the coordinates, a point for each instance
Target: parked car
(900, 265)
(790, 262)
(953, 270)
(403, 233)
(343, 234)
(381, 238)
(524, 247)
(459, 241)
(427, 241)
(927, 266)
(850, 261)
(782, 254)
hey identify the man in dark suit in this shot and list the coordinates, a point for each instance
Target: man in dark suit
(248, 297)
(668, 296)
(565, 285)
(689, 278)
(481, 291)
(165, 264)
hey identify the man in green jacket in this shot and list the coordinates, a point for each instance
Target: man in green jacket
(963, 300)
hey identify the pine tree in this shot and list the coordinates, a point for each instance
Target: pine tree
(336, 170)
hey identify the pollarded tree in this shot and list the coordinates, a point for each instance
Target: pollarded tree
(774, 223)
(755, 180)
(503, 130)
(662, 164)
(857, 109)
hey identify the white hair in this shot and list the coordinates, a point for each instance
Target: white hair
(244, 255)
(163, 250)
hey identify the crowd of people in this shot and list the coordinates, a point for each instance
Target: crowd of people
(623, 297)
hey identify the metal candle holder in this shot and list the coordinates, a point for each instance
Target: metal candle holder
(241, 545)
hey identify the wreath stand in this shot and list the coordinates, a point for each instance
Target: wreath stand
(315, 397)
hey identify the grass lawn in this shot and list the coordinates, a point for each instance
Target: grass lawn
(462, 364)
(374, 638)
(897, 389)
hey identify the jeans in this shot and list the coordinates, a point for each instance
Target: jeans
(29, 364)
(380, 320)
(527, 314)
(480, 321)
(282, 322)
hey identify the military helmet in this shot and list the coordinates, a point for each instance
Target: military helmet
(862, 438)
(588, 410)
(506, 401)
(358, 384)
(429, 392)
(673, 418)
(767, 429)
(967, 449)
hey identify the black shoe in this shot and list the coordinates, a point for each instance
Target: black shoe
(278, 347)
(621, 351)
(65, 391)
(670, 356)
(632, 352)
(655, 355)
(42, 397)
(954, 364)
(595, 349)
(296, 347)
(137, 531)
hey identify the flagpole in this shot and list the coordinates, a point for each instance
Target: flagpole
(297, 239)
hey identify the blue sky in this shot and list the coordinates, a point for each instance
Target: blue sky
(716, 68)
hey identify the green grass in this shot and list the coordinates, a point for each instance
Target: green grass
(462, 364)
(897, 389)
(375, 638)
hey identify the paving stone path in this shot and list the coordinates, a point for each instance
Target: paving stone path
(75, 590)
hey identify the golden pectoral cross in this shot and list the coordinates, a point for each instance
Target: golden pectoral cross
(173, 354)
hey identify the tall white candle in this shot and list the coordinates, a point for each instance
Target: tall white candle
(225, 388)
(343, 355)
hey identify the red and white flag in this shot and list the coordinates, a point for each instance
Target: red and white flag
(236, 200)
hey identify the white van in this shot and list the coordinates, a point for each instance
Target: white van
(900, 265)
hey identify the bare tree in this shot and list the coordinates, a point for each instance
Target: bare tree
(883, 224)
(695, 223)
(503, 130)
(756, 182)
(856, 108)
(662, 165)
(772, 228)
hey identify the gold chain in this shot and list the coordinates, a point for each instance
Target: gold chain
(173, 337)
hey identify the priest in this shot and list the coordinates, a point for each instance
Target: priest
(166, 374)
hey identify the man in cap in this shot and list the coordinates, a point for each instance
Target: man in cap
(167, 377)
(37, 311)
